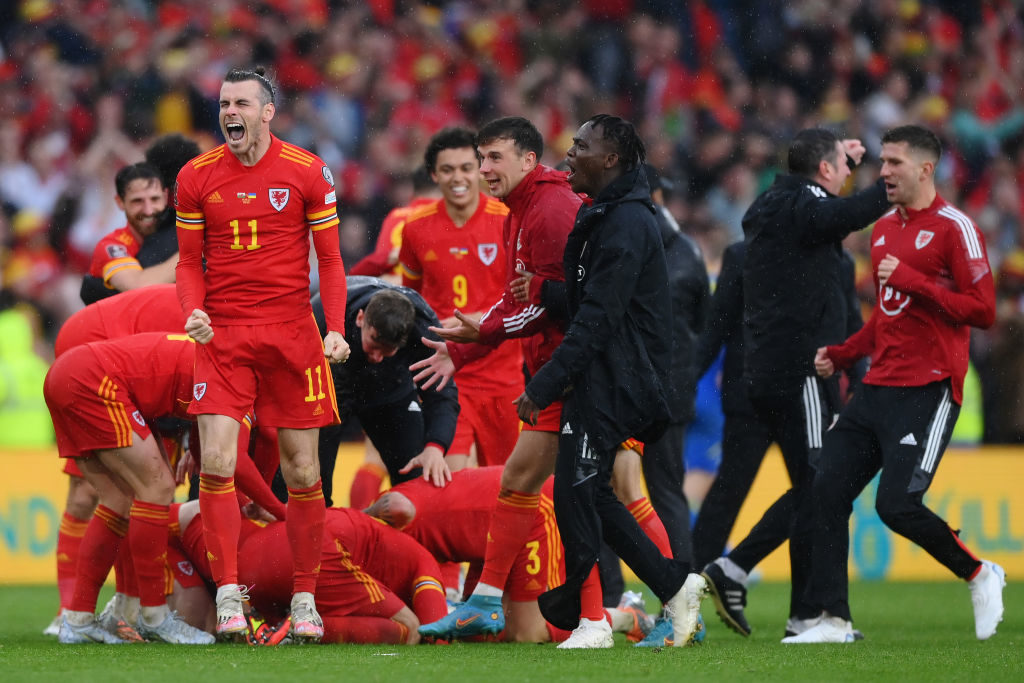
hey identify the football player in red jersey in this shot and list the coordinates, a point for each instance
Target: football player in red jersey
(248, 207)
(452, 524)
(934, 284)
(142, 196)
(375, 585)
(453, 254)
(102, 397)
(146, 309)
(542, 208)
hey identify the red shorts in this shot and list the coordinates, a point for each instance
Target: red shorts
(182, 569)
(88, 409)
(71, 468)
(549, 419)
(278, 370)
(536, 567)
(488, 420)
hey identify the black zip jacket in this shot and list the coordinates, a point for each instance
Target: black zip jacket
(360, 384)
(793, 300)
(617, 350)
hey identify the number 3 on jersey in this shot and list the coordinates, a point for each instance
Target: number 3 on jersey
(238, 238)
(461, 290)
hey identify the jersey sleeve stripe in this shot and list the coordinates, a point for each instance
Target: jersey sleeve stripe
(409, 273)
(295, 158)
(328, 222)
(117, 265)
(190, 221)
(523, 318)
(970, 236)
(320, 214)
(296, 151)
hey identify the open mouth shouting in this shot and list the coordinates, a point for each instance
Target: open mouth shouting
(235, 131)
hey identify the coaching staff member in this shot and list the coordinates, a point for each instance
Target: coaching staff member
(793, 303)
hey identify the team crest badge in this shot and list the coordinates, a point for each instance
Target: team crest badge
(185, 567)
(487, 252)
(279, 197)
(137, 416)
(199, 390)
(923, 238)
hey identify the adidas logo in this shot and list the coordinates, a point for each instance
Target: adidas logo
(908, 440)
(215, 198)
(567, 428)
(880, 241)
(430, 256)
(319, 410)
(414, 407)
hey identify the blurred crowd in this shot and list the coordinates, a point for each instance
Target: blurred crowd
(717, 88)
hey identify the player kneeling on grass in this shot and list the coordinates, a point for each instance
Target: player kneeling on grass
(452, 524)
(101, 397)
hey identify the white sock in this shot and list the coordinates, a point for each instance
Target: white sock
(227, 587)
(980, 576)
(487, 591)
(79, 618)
(732, 570)
(128, 609)
(622, 621)
(302, 597)
(154, 616)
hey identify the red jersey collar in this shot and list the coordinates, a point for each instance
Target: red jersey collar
(929, 210)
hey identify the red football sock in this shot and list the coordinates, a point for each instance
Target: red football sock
(305, 525)
(513, 518)
(363, 630)
(428, 600)
(221, 524)
(450, 572)
(96, 556)
(125, 579)
(148, 542)
(69, 541)
(366, 486)
(592, 597)
(557, 634)
(648, 519)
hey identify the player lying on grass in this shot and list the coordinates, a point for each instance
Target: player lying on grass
(452, 524)
(375, 584)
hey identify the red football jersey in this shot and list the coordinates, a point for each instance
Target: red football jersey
(462, 268)
(256, 222)
(115, 253)
(452, 522)
(146, 309)
(155, 368)
(919, 330)
(389, 241)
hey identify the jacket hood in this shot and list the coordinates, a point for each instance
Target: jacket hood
(519, 198)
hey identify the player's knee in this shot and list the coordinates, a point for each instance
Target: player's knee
(82, 498)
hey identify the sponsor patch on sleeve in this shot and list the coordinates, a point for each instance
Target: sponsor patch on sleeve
(331, 197)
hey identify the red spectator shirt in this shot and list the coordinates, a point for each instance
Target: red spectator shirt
(919, 330)
(116, 253)
(462, 269)
(252, 225)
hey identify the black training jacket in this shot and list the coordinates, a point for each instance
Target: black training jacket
(360, 384)
(617, 351)
(793, 299)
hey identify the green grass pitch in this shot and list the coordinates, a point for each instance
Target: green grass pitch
(914, 632)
